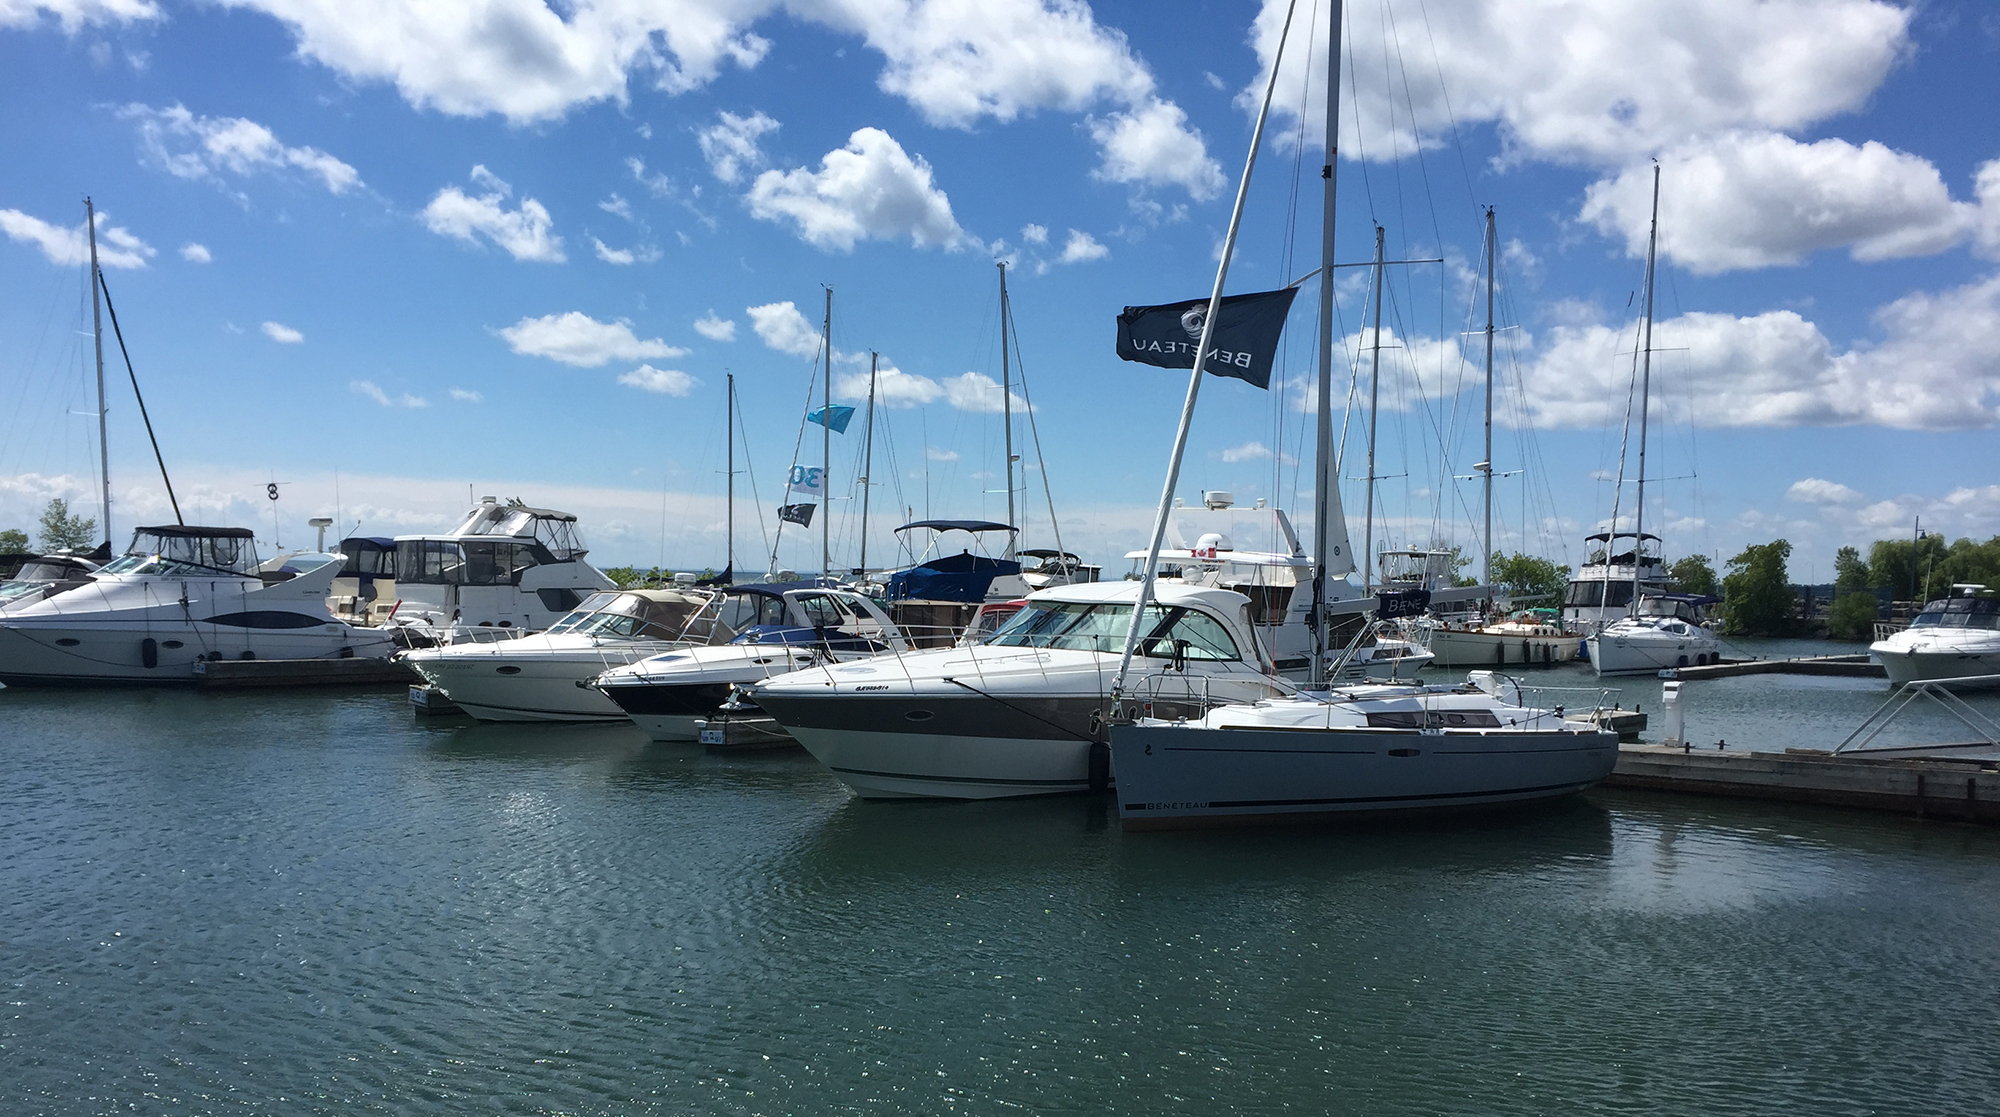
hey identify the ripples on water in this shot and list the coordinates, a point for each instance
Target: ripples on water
(309, 904)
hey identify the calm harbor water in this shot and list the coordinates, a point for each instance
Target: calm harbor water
(311, 903)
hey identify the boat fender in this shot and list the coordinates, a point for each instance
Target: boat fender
(247, 654)
(149, 652)
(1100, 766)
(1681, 662)
(346, 652)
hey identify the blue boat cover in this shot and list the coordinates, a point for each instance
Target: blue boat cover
(961, 577)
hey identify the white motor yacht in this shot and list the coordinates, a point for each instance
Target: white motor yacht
(541, 677)
(44, 576)
(507, 568)
(178, 594)
(780, 629)
(1666, 630)
(1023, 713)
(1364, 749)
(1954, 638)
(1602, 590)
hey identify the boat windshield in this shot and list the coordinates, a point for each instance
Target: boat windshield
(633, 616)
(183, 555)
(1100, 627)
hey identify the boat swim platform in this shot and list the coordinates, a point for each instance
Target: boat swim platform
(248, 674)
(1958, 781)
(1855, 666)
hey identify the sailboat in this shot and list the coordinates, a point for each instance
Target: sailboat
(1342, 750)
(1521, 640)
(1663, 630)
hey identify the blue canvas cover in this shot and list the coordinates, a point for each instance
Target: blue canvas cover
(961, 577)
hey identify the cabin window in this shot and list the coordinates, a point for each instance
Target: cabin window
(434, 562)
(1202, 635)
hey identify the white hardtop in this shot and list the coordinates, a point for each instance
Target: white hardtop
(1227, 603)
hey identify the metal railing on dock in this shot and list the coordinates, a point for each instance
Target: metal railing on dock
(1938, 691)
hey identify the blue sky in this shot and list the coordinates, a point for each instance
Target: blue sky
(502, 250)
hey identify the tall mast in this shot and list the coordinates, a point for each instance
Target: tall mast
(1374, 395)
(729, 421)
(868, 460)
(1645, 390)
(1326, 470)
(1007, 410)
(97, 337)
(1486, 466)
(826, 446)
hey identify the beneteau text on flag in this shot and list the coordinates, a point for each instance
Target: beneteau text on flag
(1243, 343)
(801, 514)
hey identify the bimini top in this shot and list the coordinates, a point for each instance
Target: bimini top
(974, 526)
(1607, 536)
(1045, 553)
(189, 531)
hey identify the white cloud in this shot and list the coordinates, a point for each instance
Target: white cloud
(524, 232)
(467, 395)
(1248, 452)
(870, 189)
(714, 328)
(1987, 233)
(665, 381)
(1935, 367)
(893, 388)
(1814, 490)
(203, 147)
(1081, 247)
(1152, 144)
(1759, 199)
(196, 253)
(976, 391)
(374, 391)
(656, 182)
(282, 334)
(731, 145)
(1600, 83)
(116, 247)
(522, 59)
(782, 327)
(75, 15)
(616, 206)
(644, 254)
(577, 339)
(1035, 234)
(933, 453)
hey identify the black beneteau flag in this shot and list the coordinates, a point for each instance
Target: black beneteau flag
(1243, 346)
(801, 514)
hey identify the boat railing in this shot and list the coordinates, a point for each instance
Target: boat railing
(1939, 692)
(1886, 629)
(1602, 698)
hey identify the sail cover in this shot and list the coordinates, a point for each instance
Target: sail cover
(1244, 343)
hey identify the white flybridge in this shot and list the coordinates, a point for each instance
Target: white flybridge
(179, 594)
(1659, 630)
(1335, 751)
(1256, 552)
(506, 569)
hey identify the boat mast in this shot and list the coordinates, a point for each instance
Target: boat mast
(1486, 467)
(729, 516)
(868, 460)
(1325, 469)
(1374, 395)
(1645, 390)
(826, 446)
(97, 338)
(1007, 411)
(1203, 346)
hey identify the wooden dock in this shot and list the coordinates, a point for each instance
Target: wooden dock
(1857, 666)
(245, 674)
(1930, 782)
